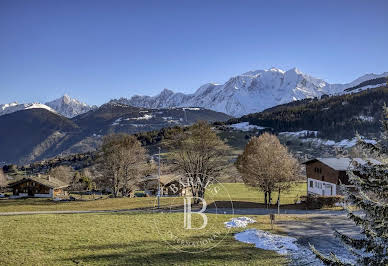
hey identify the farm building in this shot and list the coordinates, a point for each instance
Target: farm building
(170, 185)
(38, 187)
(324, 175)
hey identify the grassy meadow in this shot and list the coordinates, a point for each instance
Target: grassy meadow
(226, 191)
(124, 238)
(241, 192)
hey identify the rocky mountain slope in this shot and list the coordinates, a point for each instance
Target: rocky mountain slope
(69, 107)
(250, 92)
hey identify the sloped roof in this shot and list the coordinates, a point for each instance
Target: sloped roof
(343, 164)
(51, 183)
(164, 179)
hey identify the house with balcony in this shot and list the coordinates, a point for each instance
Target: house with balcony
(325, 175)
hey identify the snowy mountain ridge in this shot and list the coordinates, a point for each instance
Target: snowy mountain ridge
(249, 92)
(14, 107)
(64, 105)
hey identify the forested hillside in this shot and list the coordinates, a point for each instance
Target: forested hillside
(335, 117)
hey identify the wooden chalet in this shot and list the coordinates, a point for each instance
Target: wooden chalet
(38, 187)
(324, 175)
(170, 185)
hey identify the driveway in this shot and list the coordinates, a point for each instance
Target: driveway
(318, 230)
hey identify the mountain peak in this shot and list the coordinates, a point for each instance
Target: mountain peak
(68, 106)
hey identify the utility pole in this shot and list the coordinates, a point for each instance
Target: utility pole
(159, 179)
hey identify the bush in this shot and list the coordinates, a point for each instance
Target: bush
(318, 202)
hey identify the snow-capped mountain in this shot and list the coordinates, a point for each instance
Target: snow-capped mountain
(65, 106)
(69, 107)
(247, 93)
(14, 107)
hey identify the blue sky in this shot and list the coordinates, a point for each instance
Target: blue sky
(97, 50)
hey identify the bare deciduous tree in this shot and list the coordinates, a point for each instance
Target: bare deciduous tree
(199, 154)
(3, 179)
(63, 173)
(267, 165)
(122, 163)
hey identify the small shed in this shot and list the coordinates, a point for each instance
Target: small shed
(38, 187)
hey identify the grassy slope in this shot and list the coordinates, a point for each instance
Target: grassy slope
(237, 192)
(118, 239)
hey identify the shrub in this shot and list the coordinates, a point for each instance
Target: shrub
(318, 202)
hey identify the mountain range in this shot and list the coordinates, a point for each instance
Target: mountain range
(64, 105)
(35, 131)
(251, 92)
(38, 133)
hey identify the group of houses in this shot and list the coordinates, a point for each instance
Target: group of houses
(324, 176)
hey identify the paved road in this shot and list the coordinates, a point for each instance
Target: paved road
(318, 230)
(252, 211)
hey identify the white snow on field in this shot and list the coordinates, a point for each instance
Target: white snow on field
(145, 117)
(245, 126)
(366, 118)
(117, 122)
(303, 133)
(239, 222)
(281, 244)
(345, 143)
(192, 108)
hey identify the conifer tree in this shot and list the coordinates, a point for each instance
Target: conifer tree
(371, 198)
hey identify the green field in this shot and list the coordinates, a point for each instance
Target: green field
(123, 238)
(226, 191)
(241, 192)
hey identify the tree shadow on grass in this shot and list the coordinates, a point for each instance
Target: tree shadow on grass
(252, 205)
(157, 252)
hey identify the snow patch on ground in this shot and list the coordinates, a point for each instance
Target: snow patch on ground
(281, 244)
(239, 222)
(245, 126)
(192, 108)
(366, 118)
(305, 136)
(299, 134)
(117, 122)
(145, 117)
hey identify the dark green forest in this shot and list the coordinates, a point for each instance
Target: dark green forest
(335, 117)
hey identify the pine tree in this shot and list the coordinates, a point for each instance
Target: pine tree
(371, 198)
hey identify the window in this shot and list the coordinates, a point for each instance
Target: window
(311, 184)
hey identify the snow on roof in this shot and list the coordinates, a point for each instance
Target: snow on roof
(343, 164)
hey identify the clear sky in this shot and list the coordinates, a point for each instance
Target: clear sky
(98, 50)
